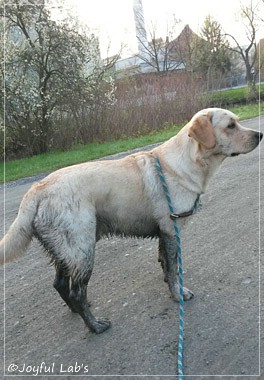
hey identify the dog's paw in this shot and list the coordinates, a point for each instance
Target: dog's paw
(100, 325)
(187, 294)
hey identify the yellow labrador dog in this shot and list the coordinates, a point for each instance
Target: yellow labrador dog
(72, 208)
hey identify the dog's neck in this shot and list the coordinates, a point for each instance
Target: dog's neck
(190, 163)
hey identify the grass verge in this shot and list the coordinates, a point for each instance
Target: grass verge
(49, 162)
(227, 98)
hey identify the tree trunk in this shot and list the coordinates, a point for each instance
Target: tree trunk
(252, 91)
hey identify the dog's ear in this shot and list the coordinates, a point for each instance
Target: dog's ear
(202, 131)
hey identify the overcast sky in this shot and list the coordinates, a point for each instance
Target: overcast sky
(114, 19)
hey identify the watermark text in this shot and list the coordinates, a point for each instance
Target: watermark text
(48, 369)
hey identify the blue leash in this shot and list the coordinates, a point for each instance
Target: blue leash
(178, 240)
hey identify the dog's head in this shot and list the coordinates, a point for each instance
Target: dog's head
(217, 131)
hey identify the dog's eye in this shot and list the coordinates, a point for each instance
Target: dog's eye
(231, 126)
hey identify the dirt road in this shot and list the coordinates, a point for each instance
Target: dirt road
(221, 259)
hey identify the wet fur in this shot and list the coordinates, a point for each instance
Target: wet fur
(72, 208)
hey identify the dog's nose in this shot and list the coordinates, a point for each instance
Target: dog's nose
(259, 136)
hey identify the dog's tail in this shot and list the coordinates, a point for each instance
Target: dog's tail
(20, 233)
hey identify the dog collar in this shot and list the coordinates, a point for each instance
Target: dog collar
(187, 213)
(173, 214)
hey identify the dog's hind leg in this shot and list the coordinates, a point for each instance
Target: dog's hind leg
(69, 236)
(73, 287)
(62, 285)
(74, 292)
(78, 297)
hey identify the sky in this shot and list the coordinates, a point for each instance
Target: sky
(113, 20)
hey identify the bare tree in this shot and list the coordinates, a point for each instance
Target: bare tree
(250, 17)
(157, 53)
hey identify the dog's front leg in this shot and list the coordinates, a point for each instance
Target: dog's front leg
(168, 253)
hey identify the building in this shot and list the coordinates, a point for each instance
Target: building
(159, 55)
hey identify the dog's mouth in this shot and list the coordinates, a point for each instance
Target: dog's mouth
(235, 154)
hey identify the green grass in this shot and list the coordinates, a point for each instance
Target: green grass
(248, 111)
(48, 162)
(232, 96)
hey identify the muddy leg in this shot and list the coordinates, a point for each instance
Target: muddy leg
(62, 285)
(170, 267)
(162, 259)
(78, 299)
